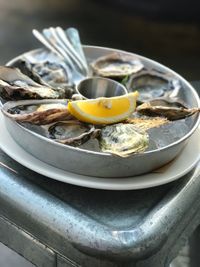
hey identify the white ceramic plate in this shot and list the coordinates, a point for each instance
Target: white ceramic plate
(188, 158)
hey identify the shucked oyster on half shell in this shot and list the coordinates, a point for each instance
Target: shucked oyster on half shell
(123, 139)
(152, 84)
(47, 72)
(116, 65)
(131, 136)
(14, 85)
(72, 132)
(39, 112)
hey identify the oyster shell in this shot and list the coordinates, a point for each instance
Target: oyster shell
(49, 73)
(123, 139)
(39, 112)
(170, 112)
(51, 119)
(167, 102)
(152, 84)
(15, 85)
(26, 68)
(116, 65)
(71, 132)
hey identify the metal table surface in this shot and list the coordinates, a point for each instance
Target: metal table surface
(55, 224)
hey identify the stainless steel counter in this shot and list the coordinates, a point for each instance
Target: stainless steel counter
(44, 220)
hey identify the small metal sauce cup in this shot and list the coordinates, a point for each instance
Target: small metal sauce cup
(91, 88)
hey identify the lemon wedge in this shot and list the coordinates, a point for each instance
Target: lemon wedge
(104, 110)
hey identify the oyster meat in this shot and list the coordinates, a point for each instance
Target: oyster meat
(123, 139)
(39, 112)
(71, 132)
(116, 66)
(14, 85)
(152, 84)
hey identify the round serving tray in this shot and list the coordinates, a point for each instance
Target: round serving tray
(91, 163)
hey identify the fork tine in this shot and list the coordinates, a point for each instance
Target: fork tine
(55, 39)
(42, 39)
(45, 41)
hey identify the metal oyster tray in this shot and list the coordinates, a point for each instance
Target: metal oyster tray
(92, 163)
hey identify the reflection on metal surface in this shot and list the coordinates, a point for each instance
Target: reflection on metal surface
(7, 167)
(9, 258)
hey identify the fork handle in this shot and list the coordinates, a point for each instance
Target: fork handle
(69, 48)
(74, 38)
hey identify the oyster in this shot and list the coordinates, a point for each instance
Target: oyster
(49, 73)
(123, 139)
(15, 85)
(170, 112)
(39, 112)
(71, 132)
(168, 102)
(26, 68)
(152, 84)
(116, 65)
